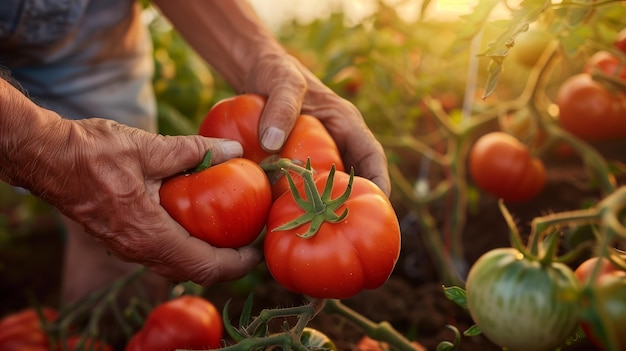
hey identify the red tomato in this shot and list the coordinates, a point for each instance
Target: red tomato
(342, 258)
(610, 290)
(583, 271)
(225, 205)
(607, 63)
(22, 330)
(590, 111)
(620, 41)
(187, 322)
(501, 165)
(237, 118)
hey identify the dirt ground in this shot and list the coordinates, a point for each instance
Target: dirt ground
(412, 300)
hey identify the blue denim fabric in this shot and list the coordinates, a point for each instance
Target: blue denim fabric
(81, 58)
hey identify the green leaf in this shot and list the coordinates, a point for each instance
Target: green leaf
(493, 75)
(456, 295)
(246, 313)
(232, 331)
(528, 12)
(474, 330)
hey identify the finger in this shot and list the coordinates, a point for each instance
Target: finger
(285, 89)
(171, 155)
(192, 259)
(373, 167)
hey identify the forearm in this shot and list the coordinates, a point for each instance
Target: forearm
(28, 134)
(226, 33)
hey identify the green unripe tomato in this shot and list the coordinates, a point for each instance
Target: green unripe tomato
(522, 304)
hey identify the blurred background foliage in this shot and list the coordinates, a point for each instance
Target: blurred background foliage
(383, 64)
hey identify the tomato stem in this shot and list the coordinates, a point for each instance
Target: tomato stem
(514, 235)
(382, 331)
(548, 255)
(318, 208)
(206, 163)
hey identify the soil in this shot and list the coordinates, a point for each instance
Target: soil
(412, 300)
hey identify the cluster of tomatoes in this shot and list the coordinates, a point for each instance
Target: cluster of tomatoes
(592, 106)
(229, 205)
(595, 109)
(188, 322)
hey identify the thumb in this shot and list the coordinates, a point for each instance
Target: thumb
(170, 155)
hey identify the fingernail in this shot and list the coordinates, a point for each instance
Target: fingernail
(273, 139)
(232, 148)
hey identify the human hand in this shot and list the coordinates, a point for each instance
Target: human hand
(292, 90)
(233, 40)
(106, 176)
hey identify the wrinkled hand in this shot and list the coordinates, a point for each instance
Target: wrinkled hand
(292, 90)
(107, 176)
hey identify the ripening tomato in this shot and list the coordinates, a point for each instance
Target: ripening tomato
(342, 258)
(225, 205)
(522, 304)
(607, 63)
(583, 271)
(501, 165)
(610, 290)
(237, 118)
(588, 110)
(186, 322)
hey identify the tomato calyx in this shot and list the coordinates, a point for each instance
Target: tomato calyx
(318, 208)
(206, 163)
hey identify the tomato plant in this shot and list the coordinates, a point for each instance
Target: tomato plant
(186, 322)
(341, 242)
(610, 297)
(504, 167)
(225, 205)
(588, 110)
(522, 304)
(238, 117)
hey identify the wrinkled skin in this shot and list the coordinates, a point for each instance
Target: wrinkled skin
(113, 189)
